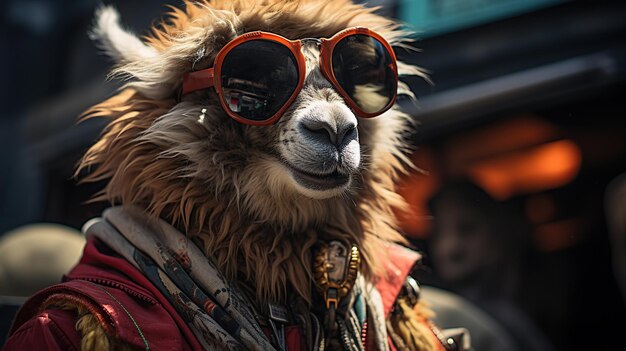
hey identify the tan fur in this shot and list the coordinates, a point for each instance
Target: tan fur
(409, 329)
(215, 179)
(209, 183)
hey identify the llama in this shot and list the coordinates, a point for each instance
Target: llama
(293, 220)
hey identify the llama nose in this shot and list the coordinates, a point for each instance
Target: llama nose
(334, 132)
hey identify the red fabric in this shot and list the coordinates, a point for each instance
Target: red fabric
(51, 330)
(401, 261)
(113, 290)
(294, 340)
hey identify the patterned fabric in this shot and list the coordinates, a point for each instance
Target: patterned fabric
(219, 314)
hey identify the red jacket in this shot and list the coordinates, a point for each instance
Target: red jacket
(131, 309)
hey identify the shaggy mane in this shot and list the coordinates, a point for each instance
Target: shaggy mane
(158, 157)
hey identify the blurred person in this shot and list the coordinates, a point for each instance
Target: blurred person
(476, 250)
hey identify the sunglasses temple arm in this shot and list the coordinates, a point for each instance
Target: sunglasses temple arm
(197, 80)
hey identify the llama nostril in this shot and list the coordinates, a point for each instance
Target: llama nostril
(328, 133)
(320, 131)
(348, 132)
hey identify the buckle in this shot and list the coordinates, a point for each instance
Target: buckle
(411, 290)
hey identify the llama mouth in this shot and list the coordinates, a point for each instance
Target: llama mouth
(319, 182)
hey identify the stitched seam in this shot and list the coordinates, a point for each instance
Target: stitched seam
(143, 338)
(114, 284)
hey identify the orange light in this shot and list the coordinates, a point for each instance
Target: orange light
(502, 137)
(539, 168)
(417, 188)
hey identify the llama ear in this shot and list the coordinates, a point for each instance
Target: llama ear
(120, 44)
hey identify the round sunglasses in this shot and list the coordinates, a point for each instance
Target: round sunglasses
(258, 75)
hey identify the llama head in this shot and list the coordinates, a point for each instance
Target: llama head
(318, 168)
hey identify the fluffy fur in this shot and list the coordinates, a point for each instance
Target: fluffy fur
(116, 42)
(219, 181)
(211, 178)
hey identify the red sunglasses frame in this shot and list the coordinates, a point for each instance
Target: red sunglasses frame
(210, 77)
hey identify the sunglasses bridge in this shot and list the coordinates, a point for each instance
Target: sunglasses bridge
(317, 41)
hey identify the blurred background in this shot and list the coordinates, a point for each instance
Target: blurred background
(519, 202)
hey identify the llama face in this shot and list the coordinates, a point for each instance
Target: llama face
(318, 139)
(315, 149)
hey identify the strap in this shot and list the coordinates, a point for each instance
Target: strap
(197, 80)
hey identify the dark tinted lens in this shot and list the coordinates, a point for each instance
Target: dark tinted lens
(363, 68)
(258, 77)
